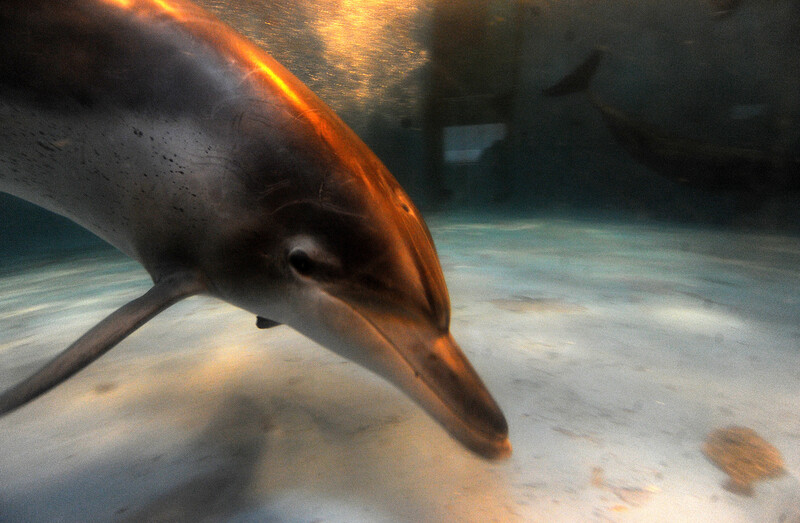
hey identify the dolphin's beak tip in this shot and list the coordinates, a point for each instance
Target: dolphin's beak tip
(507, 450)
(501, 447)
(495, 451)
(504, 450)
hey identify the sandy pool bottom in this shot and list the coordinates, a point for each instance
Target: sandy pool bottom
(613, 350)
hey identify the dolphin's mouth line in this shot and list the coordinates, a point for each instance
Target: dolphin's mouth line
(479, 432)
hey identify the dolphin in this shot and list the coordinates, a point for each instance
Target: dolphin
(714, 167)
(163, 131)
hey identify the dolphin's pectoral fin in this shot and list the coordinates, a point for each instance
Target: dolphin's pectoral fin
(102, 337)
(579, 79)
(264, 323)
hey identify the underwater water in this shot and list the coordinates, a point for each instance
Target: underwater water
(619, 304)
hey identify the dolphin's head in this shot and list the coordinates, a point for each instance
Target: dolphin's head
(337, 251)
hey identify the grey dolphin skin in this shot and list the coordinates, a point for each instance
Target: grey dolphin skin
(164, 132)
(713, 167)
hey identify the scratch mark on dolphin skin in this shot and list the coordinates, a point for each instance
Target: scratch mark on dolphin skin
(274, 187)
(321, 187)
(276, 80)
(323, 205)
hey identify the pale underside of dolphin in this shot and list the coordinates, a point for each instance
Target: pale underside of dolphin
(164, 132)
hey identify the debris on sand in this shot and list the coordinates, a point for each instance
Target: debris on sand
(633, 496)
(524, 304)
(744, 455)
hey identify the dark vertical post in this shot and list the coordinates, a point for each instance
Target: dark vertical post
(458, 31)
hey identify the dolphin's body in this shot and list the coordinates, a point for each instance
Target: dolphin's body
(164, 132)
(704, 165)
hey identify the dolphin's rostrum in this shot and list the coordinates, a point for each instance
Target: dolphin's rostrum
(160, 129)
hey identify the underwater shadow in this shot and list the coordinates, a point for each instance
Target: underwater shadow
(278, 436)
(235, 437)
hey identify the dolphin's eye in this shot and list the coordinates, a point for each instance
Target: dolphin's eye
(310, 260)
(301, 262)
